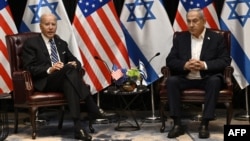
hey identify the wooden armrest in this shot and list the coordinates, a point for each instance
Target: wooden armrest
(23, 86)
(228, 72)
(165, 71)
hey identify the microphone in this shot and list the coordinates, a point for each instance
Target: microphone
(105, 63)
(148, 63)
(110, 89)
(157, 54)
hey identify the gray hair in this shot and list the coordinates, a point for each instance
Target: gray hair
(197, 10)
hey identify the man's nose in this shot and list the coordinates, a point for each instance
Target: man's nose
(191, 24)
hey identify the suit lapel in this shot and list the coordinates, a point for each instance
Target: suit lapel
(206, 42)
(187, 42)
(43, 47)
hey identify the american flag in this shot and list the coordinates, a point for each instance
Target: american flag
(98, 32)
(117, 74)
(7, 27)
(208, 9)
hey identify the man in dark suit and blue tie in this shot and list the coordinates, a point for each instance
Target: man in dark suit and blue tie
(58, 70)
(197, 60)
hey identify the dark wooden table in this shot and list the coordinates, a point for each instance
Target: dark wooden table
(127, 102)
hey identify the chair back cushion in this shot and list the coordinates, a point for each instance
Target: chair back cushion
(14, 45)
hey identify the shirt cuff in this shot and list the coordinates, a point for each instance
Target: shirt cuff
(205, 64)
(48, 70)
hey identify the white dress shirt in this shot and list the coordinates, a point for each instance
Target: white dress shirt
(196, 45)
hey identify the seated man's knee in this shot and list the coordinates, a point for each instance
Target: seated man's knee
(172, 80)
(69, 68)
(214, 80)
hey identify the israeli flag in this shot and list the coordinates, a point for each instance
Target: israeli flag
(238, 22)
(31, 18)
(148, 31)
(142, 70)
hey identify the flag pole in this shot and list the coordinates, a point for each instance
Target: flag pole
(246, 115)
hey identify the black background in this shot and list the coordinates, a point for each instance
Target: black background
(18, 6)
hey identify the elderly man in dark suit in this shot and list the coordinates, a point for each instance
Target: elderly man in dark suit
(197, 60)
(58, 70)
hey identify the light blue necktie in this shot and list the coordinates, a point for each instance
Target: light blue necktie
(53, 55)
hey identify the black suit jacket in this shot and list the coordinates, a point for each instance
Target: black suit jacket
(36, 58)
(213, 52)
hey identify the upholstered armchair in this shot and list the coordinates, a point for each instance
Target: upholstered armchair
(24, 95)
(197, 95)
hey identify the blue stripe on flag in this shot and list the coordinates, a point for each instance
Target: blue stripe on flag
(238, 55)
(136, 54)
(24, 27)
(3, 4)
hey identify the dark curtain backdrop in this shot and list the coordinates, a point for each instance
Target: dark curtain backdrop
(17, 8)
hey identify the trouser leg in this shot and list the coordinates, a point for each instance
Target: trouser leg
(91, 105)
(173, 93)
(212, 88)
(67, 81)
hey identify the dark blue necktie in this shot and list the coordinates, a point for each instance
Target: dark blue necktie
(53, 55)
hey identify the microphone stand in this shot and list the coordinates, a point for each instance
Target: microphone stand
(102, 121)
(153, 118)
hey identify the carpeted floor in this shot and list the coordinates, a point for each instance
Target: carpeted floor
(149, 129)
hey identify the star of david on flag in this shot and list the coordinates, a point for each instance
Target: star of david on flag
(238, 22)
(208, 8)
(31, 17)
(147, 30)
(140, 20)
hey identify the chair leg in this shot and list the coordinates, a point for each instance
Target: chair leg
(33, 111)
(229, 108)
(162, 105)
(16, 121)
(92, 130)
(60, 123)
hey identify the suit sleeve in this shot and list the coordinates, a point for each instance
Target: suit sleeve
(221, 57)
(178, 56)
(34, 60)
